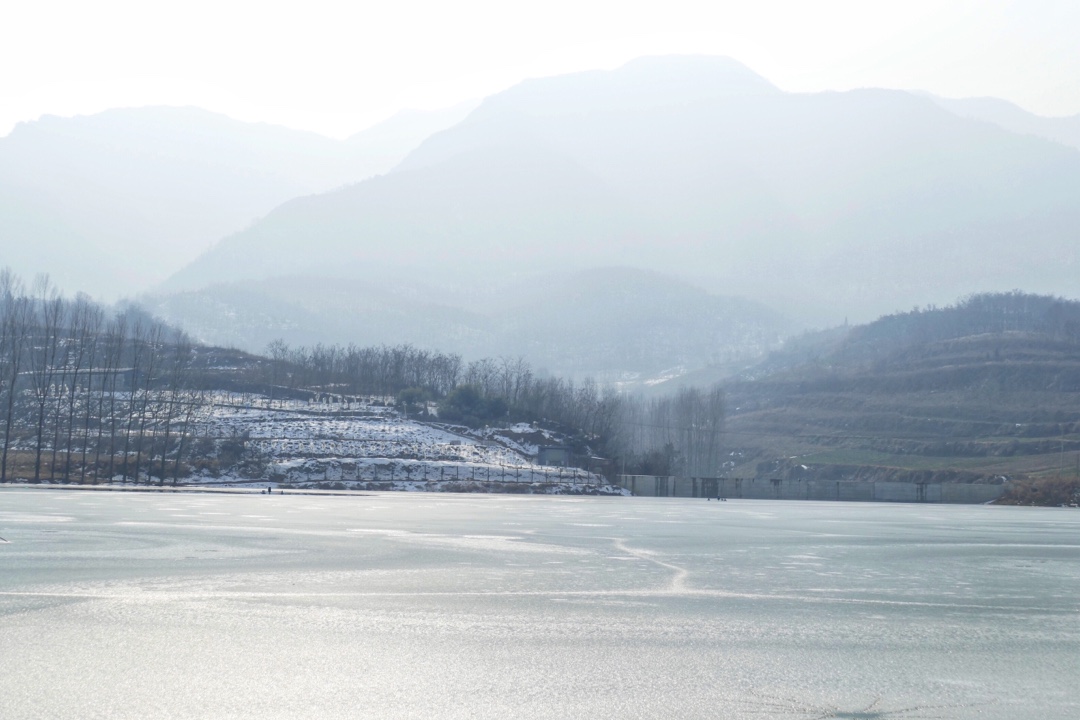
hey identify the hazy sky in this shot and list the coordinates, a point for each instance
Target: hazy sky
(336, 67)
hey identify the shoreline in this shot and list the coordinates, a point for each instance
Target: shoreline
(259, 488)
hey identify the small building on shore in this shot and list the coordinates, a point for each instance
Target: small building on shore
(553, 455)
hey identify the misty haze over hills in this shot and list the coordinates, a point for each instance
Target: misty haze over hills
(675, 213)
(822, 205)
(614, 324)
(113, 203)
(401, 134)
(1065, 130)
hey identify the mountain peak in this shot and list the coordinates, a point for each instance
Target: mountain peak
(723, 73)
(653, 81)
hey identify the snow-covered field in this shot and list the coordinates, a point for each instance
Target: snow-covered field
(368, 446)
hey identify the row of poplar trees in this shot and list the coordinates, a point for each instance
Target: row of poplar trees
(85, 394)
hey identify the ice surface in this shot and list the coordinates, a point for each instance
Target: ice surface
(421, 606)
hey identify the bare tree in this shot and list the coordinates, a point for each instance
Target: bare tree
(138, 332)
(116, 339)
(14, 326)
(66, 340)
(178, 380)
(93, 320)
(152, 355)
(44, 348)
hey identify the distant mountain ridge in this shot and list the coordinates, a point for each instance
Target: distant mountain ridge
(404, 131)
(1064, 130)
(822, 205)
(515, 225)
(642, 85)
(612, 324)
(893, 340)
(114, 202)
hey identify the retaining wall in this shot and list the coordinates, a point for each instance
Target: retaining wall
(777, 489)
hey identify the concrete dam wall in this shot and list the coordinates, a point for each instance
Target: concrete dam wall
(766, 489)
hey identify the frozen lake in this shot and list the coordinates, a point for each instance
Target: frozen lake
(136, 605)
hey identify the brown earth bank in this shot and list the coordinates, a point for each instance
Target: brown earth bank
(1052, 492)
(241, 486)
(465, 486)
(793, 470)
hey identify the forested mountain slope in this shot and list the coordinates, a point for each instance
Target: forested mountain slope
(987, 387)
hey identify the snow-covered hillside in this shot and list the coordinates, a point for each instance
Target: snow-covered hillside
(360, 444)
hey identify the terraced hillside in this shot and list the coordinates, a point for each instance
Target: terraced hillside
(970, 393)
(358, 443)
